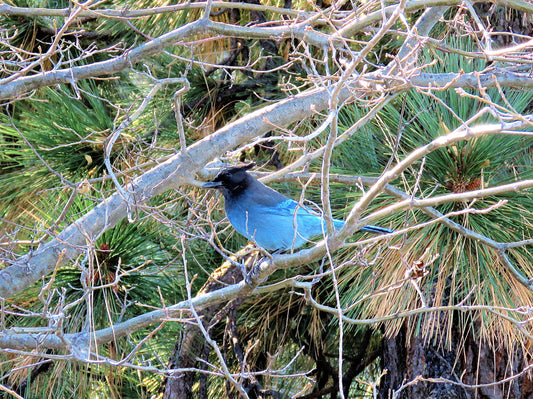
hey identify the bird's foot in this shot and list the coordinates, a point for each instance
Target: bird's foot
(252, 278)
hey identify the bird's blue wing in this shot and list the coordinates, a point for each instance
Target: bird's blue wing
(283, 208)
(276, 227)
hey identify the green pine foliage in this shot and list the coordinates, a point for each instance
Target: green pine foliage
(465, 267)
(56, 140)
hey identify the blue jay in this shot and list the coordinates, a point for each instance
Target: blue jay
(267, 217)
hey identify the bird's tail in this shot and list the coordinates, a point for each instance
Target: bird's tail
(376, 229)
(370, 228)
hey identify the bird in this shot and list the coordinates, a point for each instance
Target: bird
(271, 220)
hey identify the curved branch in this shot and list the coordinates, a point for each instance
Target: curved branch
(79, 342)
(354, 221)
(12, 87)
(6, 9)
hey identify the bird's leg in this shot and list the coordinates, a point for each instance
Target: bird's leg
(255, 267)
(247, 258)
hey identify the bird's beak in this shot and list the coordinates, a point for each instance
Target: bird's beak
(212, 184)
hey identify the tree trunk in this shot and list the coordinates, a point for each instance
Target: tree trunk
(469, 361)
(191, 344)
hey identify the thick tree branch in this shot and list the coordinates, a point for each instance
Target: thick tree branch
(371, 18)
(11, 87)
(6, 9)
(81, 341)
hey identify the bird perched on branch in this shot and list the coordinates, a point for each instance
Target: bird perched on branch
(267, 217)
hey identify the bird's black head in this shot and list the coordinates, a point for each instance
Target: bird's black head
(231, 181)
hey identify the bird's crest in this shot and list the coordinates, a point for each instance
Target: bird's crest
(244, 166)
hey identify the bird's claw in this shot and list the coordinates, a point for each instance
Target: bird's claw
(252, 277)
